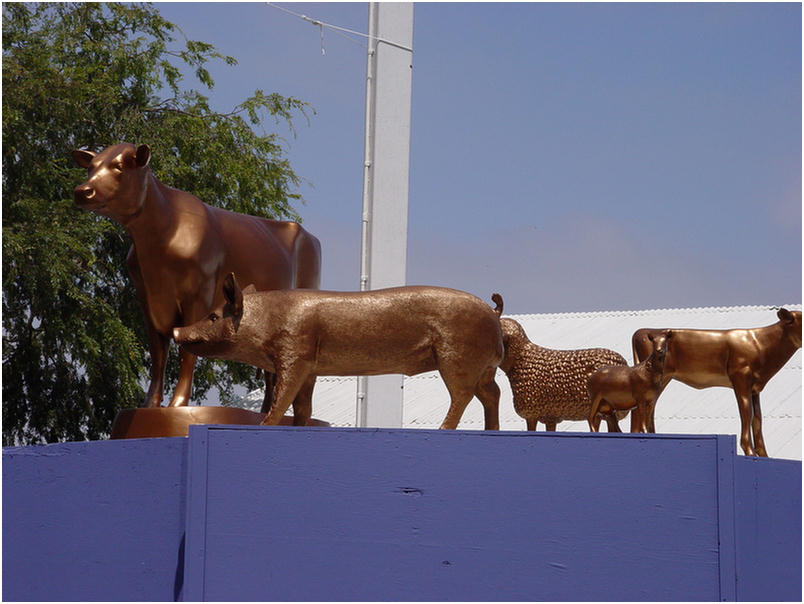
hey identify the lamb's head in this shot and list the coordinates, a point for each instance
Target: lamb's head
(514, 341)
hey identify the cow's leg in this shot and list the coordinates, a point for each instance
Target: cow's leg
(636, 419)
(289, 380)
(550, 426)
(489, 394)
(303, 403)
(158, 344)
(158, 348)
(531, 423)
(743, 393)
(756, 426)
(184, 385)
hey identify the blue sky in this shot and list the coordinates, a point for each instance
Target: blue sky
(573, 157)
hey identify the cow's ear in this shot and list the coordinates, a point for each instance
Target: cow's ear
(83, 158)
(143, 155)
(785, 315)
(233, 294)
(249, 289)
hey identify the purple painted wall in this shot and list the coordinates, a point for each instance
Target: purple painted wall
(338, 514)
(93, 520)
(768, 520)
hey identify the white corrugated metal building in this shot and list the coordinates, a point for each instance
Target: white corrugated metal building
(680, 409)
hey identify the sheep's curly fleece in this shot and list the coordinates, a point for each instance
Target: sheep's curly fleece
(550, 385)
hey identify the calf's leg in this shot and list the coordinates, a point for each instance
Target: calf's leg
(743, 394)
(756, 426)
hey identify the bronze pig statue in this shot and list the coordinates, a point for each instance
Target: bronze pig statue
(741, 359)
(182, 248)
(409, 330)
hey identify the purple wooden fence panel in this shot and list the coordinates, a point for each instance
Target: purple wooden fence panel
(333, 514)
(329, 514)
(94, 520)
(768, 517)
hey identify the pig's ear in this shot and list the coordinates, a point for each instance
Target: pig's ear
(249, 289)
(83, 158)
(232, 293)
(143, 155)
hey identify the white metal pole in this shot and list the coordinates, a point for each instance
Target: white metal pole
(368, 193)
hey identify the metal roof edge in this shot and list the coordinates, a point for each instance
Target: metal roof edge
(624, 313)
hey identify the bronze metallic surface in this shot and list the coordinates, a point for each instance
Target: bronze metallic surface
(623, 388)
(299, 334)
(741, 359)
(182, 248)
(174, 421)
(549, 386)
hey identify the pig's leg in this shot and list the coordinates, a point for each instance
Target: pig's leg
(489, 394)
(270, 384)
(460, 394)
(289, 380)
(184, 386)
(303, 404)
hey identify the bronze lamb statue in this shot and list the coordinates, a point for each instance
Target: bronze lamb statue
(549, 386)
(622, 388)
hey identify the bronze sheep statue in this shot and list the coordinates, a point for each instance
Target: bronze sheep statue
(549, 386)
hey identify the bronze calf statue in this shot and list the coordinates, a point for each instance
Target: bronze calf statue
(623, 388)
(409, 330)
(182, 249)
(549, 386)
(741, 359)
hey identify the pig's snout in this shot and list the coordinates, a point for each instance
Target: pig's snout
(83, 194)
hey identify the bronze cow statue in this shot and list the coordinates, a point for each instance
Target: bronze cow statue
(182, 249)
(741, 359)
(409, 330)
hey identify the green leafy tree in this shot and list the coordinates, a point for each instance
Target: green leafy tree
(88, 75)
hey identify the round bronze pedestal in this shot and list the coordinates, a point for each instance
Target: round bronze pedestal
(151, 422)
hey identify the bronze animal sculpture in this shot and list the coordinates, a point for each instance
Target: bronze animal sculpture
(182, 248)
(741, 359)
(624, 388)
(299, 333)
(549, 386)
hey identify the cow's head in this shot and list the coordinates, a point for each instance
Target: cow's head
(791, 322)
(117, 182)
